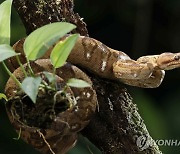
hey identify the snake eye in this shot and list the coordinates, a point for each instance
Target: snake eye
(177, 57)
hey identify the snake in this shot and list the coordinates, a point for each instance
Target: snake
(94, 56)
(91, 54)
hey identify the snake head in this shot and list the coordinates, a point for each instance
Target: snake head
(168, 61)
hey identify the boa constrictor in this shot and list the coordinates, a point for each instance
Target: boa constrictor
(146, 72)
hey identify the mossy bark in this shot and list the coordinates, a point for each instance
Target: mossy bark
(117, 127)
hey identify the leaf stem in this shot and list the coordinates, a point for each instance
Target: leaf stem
(29, 66)
(46, 87)
(54, 76)
(20, 64)
(11, 75)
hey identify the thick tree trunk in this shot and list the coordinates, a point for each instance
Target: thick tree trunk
(117, 127)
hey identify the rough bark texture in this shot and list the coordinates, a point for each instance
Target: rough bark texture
(117, 126)
(36, 13)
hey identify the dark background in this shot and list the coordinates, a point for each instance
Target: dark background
(137, 27)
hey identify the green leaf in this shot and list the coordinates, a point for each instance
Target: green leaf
(5, 19)
(6, 52)
(62, 50)
(3, 96)
(39, 41)
(30, 86)
(49, 76)
(77, 83)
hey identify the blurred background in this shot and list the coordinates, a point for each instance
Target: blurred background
(137, 27)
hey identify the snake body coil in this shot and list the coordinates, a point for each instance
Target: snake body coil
(94, 56)
(67, 123)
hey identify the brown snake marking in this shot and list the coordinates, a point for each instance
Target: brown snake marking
(88, 48)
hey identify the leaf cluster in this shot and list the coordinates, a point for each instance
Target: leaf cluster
(35, 46)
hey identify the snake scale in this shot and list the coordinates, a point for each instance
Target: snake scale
(94, 56)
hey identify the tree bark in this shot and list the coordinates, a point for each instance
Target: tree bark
(117, 127)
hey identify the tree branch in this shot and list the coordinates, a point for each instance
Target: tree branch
(117, 126)
(36, 13)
